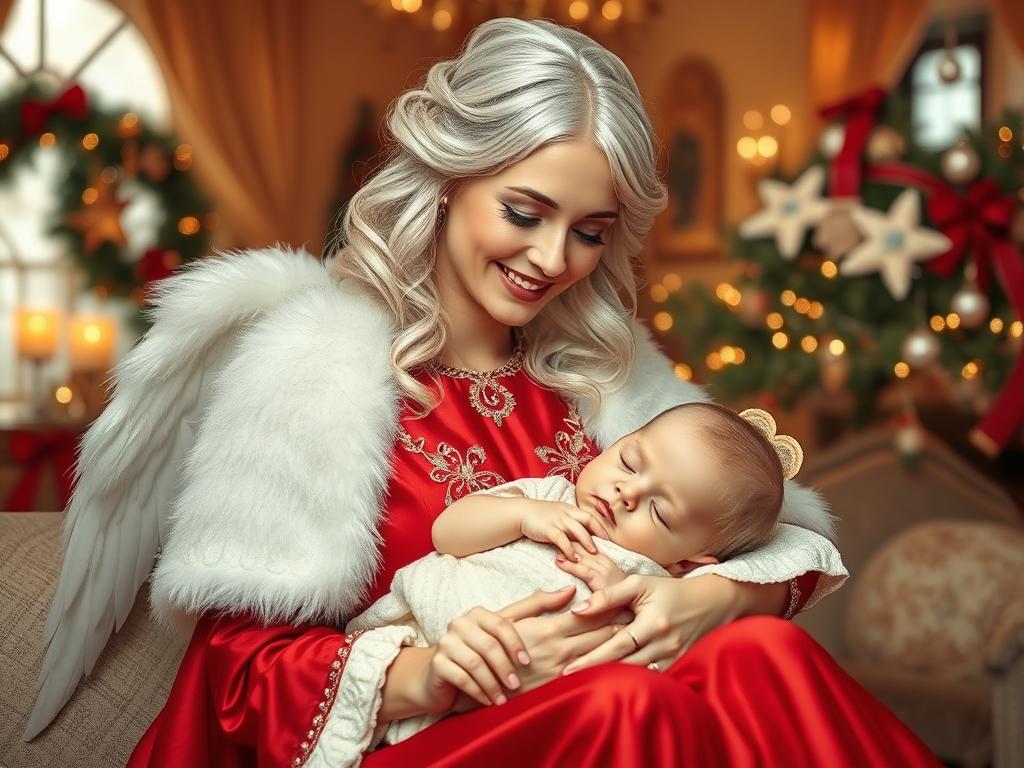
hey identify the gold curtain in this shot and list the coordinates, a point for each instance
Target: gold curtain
(5, 8)
(1010, 13)
(250, 86)
(855, 44)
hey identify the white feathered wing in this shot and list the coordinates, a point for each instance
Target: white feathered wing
(130, 459)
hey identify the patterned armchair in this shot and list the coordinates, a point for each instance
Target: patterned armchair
(932, 619)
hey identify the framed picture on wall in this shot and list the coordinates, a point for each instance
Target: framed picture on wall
(690, 124)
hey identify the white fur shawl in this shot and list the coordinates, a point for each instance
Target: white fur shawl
(283, 487)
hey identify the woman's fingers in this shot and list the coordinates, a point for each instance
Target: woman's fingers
(587, 642)
(617, 595)
(538, 603)
(467, 653)
(615, 647)
(512, 646)
(452, 673)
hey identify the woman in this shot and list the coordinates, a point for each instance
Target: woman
(482, 329)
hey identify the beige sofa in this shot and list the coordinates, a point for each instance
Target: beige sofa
(971, 720)
(873, 494)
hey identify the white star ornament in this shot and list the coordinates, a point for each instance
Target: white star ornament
(788, 210)
(893, 242)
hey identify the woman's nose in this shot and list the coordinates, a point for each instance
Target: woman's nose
(550, 258)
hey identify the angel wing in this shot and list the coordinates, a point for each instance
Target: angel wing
(130, 459)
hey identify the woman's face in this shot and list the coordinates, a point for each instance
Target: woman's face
(513, 241)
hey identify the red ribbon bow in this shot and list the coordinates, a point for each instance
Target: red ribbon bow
(979, 219)
(34, 450)
(35, 114)
(860, 112)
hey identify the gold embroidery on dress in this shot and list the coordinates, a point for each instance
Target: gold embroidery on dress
(487, 395)
(571, 452)
(449, 467)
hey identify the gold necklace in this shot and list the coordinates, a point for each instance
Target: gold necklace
(488, 396)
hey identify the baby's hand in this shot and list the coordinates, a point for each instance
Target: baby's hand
(596, 571)
(559, 524)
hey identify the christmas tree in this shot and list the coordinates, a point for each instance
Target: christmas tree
(879, 261)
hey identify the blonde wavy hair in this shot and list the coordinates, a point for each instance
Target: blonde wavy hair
(514, 87)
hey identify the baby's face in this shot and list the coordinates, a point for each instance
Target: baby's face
(655, 491)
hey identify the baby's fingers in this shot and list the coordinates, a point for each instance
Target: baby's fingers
(557, 537)
(581, 535)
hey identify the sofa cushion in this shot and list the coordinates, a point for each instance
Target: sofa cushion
(110, 711)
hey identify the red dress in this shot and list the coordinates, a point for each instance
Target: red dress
(758, 691)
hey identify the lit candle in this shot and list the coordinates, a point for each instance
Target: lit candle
(91, 342)
(36, 331)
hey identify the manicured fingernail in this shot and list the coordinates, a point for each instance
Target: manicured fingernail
(569, 670)
(523, 657)
(513, 681)
(577, 558)
(565, 589)
(581, 607)
(559, 559)
(501, 699)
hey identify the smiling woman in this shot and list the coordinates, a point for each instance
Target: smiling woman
(343, 405)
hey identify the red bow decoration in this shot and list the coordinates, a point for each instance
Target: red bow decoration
(860, 112)
(34, 450)
(979, 220)
(36, 114)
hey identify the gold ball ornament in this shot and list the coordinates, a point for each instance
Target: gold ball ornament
(753, 306)
(837, 234)
(832, 140)
(971, 305)
(920, 349)
(949, 69)
(885, 144)
(960, 164)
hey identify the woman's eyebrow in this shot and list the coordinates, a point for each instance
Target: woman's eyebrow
(545, 200)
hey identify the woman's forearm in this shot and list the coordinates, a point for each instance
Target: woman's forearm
(771, 598)
(403, 694)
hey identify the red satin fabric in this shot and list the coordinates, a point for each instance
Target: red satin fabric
(756, 691)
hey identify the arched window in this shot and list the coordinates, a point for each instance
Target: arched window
(940, 110)
(63, 41)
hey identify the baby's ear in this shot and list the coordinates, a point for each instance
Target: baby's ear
(685, 566)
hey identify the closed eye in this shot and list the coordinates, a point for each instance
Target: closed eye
(625, 466)
(513, 216)
(657, 514)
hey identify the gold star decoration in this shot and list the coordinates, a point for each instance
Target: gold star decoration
(99, 220)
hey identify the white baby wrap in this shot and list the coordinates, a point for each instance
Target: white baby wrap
(428, 593)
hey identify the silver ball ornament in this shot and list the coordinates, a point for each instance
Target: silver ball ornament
(960, 164)
(832, 140)
(909, 441)
(971, 305)
(949, 69)
(920, 349)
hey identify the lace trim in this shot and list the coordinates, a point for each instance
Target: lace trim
(333, 678)
(794, 599)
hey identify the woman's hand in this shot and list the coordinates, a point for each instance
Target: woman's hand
(671, 615)
(560, 524)
(476, 655)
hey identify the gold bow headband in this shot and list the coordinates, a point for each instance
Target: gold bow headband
(790, 453)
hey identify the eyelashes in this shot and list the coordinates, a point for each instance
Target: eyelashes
(512, 216)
